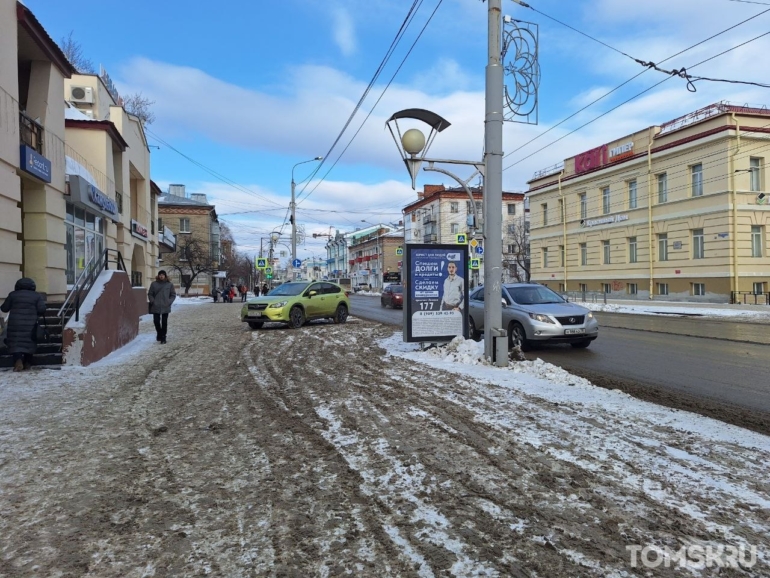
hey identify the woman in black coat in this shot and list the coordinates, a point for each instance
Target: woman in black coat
(25, 306)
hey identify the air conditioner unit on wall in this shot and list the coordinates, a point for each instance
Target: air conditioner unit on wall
(82, 94)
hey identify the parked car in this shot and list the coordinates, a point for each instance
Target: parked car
(296, 303)
(362, 287)
(533, 313)
(392, 295)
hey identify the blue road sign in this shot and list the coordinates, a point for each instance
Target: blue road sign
(480, 250)
(296, 263)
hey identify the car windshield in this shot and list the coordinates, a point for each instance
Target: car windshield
(398, 289)
(288, 289)
(534, 295)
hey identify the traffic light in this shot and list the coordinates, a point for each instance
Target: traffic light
(269, 276)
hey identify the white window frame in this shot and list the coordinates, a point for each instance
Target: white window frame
(758, 288)
(545, 257)
(583, 205)
(454, 228)
(755, 172)
(633, 252)
(699, 289)
(662, 288)
(756, 240)
(632, 288)
(583, 288)
(606, 205)
(562, 255)
(662, 188)
(633, 201)
(696, 180)
(511, 208)
(562, 216)
(544, 206)
(607, 252)
(182, 222)
(583, 254)
(606, 288)
(454, 207)
(663, 247)
(698, 244)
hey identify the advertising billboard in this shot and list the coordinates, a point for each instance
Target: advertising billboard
(436, 292)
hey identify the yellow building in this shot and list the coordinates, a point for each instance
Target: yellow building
(677, 211)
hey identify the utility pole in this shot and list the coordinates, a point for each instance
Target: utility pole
(495, 339)
(294, 214)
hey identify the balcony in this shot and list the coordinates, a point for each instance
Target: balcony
(359, 259)
(427, 219)
(31, 133)
(367, 258)
(166, 240)
(351, 262)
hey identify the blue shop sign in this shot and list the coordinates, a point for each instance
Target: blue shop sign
(87, 195)
(35, 164)
(101, 200)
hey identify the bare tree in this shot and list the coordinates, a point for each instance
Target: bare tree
(73, 50)
(192, 258)
(516, 259)
(139, 105)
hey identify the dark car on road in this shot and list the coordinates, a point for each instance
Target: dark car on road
(392, 295)
(533, 313)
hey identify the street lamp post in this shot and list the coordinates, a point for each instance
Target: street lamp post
(294, 214)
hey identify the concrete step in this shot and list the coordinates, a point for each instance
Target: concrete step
(37, 359)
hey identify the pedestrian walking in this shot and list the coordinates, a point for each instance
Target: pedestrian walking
(215, 294)
(265, 290)
(244, 293)
(161, 295)
(24, 305)
(256, 290)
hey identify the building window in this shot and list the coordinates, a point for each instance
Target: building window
(662, 288)
(583, 288)
(454, 207)
(511, 229)
(632, 254)
(160, 226)
(526, 227)
(606, 200)
(632, 288)
(632, 200)
(511, 208)
(663, 247)
(119, 202)
(662, 188)
(561, 211)
(562, 288)
(545, 258)
(545, 213)
(698, 248)
(455, 228)
(584, 253)
(583, 206)
(511, 248)
(184, 225)
(759, 288)
(756, 241)
(606, 251)
(183, 253)
(699, 289)
(561, 255)
(606, 288)
(755, 165)
(696, 175)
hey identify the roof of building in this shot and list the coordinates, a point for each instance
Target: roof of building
(32, 25)
(176, 200)
(105, 125)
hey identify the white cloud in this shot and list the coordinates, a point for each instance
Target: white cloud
(344, 31)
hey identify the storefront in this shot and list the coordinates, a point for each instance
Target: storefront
(88, 209)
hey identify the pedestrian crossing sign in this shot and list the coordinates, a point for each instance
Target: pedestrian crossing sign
(261, 263)
(400, 251)
(268, 270)
(461, 238)
(475, 263)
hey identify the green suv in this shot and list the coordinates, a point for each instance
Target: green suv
(296, 303)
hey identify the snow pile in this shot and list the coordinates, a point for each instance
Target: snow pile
(668, 308)
(192, 300)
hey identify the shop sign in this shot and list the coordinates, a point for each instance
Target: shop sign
(601, 156)
(35, 164)
(605, 220)
(139, 230)
(436, 299)
(622, 151)
(87, 195)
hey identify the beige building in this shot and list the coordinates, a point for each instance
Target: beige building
(111, 203)
(440, 214)
(372, 256)
(676, 211)
(32, 160)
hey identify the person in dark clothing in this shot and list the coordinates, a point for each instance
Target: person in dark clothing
(215, 294)
(161, 295)
(264, 289)
(256, 290)
(25, 306)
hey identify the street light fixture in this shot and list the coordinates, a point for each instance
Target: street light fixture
(294, 213)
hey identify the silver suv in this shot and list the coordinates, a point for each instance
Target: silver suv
(533, 313)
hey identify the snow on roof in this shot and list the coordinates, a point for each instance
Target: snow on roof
(73, 167)
(72, 113)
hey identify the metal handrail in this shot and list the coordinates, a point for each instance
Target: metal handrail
(85, 281)
(746, 297)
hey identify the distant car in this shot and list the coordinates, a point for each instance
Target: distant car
(296, 303)
(533, 313)
(392, 295)
(362, 287)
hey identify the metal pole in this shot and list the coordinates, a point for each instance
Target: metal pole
(293, 226)
(495, 340)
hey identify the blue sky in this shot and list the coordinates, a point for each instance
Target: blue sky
(248, 88)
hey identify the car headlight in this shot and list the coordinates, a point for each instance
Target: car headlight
(278, 305)
(540, 317)
(590, 315)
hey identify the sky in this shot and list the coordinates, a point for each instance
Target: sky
(246, 90)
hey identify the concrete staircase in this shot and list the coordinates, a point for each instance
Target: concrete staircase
(48, 354)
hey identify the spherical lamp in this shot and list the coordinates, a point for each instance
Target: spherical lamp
(413, 141)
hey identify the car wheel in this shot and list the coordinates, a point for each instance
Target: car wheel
(472, 331)
(581, 344)
(518, 337)
(296, 317)
(256, 324)
(341, 315)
